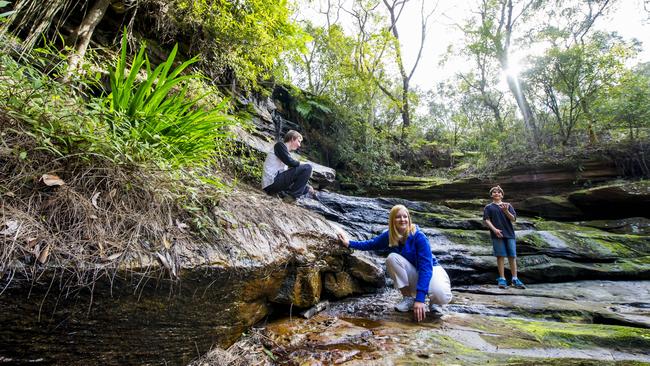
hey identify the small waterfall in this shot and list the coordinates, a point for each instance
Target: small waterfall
(278, 123)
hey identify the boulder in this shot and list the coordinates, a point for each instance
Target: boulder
(550, 207)
(619, 200)
(340, 284)
(366, 268)
(301, 288)
(211, 291)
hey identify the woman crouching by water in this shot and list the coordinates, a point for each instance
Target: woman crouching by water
(414, 270)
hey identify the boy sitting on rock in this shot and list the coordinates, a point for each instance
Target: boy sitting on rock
(282, 173)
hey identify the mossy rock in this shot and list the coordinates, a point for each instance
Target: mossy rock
(568, 335)
(475, 205)
(552, 207)
(397, 181)
(586, 245)
(619, 200)
(631, 225)
(543, 268)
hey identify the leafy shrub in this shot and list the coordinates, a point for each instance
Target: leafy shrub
(156, 117)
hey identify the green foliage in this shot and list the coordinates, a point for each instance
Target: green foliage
(340, 138)
(7, 13)
(58, 119)
(624, 105)
(307, 108)
(240, 40)
(156, 117)
(569, 80)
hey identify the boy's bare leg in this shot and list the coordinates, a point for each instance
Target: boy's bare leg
(500, 265)
(513, 266)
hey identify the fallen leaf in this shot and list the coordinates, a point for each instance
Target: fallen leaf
(42, 258)
(113, 256)
(94, 200)
(11, 227)
(181, 225)
(31, 242)
(163, 260)
(10, 194)
(166, 242)
(93, 217)
(52, 180)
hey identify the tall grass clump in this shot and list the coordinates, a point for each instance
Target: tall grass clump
(151, 115)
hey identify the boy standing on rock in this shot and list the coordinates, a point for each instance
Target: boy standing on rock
(282, 173)
(499, 216)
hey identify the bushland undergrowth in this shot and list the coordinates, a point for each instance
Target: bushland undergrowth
(90, 185)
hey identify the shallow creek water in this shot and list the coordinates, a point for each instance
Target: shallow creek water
(588, 322)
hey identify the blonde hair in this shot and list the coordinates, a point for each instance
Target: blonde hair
(393, 236)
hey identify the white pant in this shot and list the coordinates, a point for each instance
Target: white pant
(404, 274)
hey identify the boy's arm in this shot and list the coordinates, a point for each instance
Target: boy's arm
(510, 213)
(494, 229)
(282, 153)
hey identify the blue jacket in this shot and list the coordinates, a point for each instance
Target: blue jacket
(416, 250)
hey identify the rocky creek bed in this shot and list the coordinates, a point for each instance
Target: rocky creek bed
(585, 322)
(276, 257)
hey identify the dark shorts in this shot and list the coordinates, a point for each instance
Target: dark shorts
(504, 247)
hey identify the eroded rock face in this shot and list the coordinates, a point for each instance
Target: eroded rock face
(550, 207)
(194, 293)
(626, 199)
(552, 191)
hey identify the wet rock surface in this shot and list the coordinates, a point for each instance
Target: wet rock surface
(587, 322)
(548, 251)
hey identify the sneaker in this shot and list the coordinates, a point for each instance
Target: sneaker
(436, 311)
(501, 282)
(405, 305)
(517, 283)
(288, 199)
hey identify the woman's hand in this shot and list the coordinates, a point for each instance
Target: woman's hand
(343, 240)
(419, 311)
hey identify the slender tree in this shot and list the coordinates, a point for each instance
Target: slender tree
(384, 42)
(83, 33)
(498, 19)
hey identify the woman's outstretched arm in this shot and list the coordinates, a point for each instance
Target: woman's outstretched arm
(378, 242)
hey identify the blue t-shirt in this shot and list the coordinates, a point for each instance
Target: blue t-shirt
(500, 220)
(416, 250)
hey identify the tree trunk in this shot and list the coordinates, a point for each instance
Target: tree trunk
(524, 107)
(84, 33)
(406, 116)
(593, 139)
